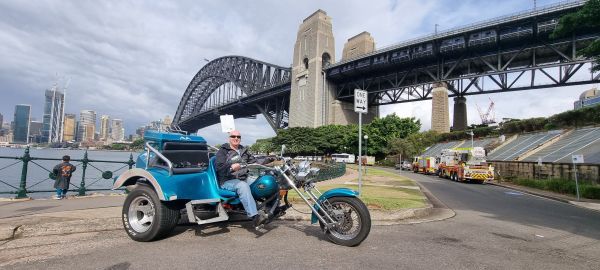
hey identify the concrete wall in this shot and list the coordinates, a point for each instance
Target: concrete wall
(530, 170)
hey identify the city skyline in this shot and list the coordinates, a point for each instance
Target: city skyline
(139, 73)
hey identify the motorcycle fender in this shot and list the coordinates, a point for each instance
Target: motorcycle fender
(130, 177)
(336, 192)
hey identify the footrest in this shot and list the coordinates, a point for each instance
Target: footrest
(222, 215)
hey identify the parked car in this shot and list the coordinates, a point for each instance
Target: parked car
(406, 165)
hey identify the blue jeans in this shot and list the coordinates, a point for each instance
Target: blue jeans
(61, 193)
(242, 188)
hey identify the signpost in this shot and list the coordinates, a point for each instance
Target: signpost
(577, 159)
(360, 106)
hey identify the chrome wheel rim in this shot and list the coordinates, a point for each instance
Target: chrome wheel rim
(349, 222)
(141, 214)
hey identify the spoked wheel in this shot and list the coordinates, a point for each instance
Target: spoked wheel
(354, 221)
(145, 217)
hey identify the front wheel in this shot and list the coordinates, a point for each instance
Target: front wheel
(354, 221)
(146, 217)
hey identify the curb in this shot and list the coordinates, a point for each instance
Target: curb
(546, 196)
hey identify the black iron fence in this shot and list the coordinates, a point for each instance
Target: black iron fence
(85, 164)
(330, 171)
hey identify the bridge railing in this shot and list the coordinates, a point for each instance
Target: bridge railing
(477, 25)
(97, 176)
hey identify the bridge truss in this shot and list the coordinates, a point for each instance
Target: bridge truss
(235, 85)
(526, 67)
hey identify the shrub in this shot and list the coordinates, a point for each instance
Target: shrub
(386, 163)
(586, 190)
(591, 192)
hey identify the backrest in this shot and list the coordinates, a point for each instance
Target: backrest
(185, 154)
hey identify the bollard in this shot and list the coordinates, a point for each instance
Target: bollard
(22, 193)
(84, 162)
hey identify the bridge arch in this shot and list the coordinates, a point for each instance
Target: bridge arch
(236, 77)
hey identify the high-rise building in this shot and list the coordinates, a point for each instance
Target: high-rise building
(35, 132)
(69, 127)
(104, 127)
(117, 130)
(140, 131)
(1, 120)
(167, 121)
(52, 130)
(87, 126)
(21, 123)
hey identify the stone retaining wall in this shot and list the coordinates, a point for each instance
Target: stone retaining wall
(530, 170)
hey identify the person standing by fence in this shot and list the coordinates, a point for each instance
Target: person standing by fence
(63, 173)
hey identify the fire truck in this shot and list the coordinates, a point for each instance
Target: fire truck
(426, 165)
(465, 164)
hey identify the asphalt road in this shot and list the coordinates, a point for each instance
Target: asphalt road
(494, 228)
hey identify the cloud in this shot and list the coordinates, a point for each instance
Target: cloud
(134, 59)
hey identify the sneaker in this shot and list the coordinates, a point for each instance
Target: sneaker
(259, 219)
(57, 198)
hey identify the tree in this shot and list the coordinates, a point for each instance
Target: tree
(587, 19)
(264, 146)
(137, 144)
(382, 131)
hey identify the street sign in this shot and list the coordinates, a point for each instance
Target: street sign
(360, 101)
(227, 123)
(577, 158)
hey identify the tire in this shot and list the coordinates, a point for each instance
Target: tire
(145, 217)
(342, 235)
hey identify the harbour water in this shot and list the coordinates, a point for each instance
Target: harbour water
(38, 170)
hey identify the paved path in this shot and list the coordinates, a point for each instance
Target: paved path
(494, 228)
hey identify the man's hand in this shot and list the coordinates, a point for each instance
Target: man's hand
(235, 167)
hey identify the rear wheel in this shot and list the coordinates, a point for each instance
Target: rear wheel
(146, 217)
(354, 221)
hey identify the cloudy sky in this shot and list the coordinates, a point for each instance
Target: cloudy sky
(134, 59)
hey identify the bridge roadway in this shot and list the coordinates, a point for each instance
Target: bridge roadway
(494, 228)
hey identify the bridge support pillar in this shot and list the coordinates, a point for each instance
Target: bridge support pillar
(440, 121)
(460, 114)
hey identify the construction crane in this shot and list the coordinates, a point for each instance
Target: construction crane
(489, 116)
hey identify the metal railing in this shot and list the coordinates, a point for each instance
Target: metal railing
(24, 188)
(330, 171)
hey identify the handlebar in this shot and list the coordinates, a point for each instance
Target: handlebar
(256, 165)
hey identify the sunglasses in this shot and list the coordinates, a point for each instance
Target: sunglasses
(233, 136)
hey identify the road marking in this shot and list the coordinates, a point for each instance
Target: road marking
(513, 193)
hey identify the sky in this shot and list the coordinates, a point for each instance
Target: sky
(134, 59)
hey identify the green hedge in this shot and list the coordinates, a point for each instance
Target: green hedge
(586, 190)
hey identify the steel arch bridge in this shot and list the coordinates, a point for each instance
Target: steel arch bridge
(235, 85)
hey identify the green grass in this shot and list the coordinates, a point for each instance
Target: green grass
(393, 196)
(386, 198)
(586, 190)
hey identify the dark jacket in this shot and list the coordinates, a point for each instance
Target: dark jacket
(223, 163)
(63, 173)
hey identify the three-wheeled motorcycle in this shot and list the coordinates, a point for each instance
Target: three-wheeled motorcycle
(176, 176)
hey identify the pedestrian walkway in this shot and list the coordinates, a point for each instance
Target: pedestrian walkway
(31, 218)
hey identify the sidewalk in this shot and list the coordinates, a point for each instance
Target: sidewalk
(32, 218)
(585, 203)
